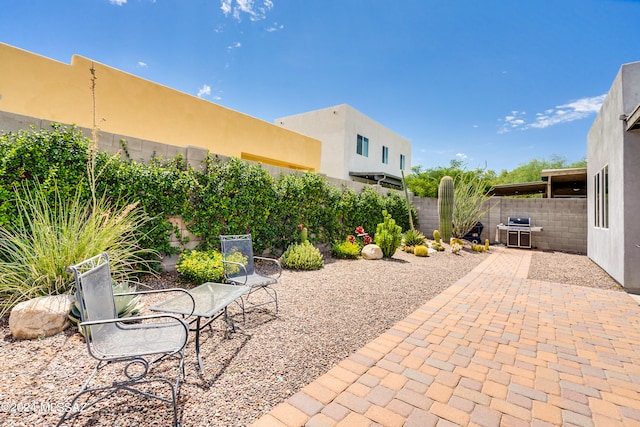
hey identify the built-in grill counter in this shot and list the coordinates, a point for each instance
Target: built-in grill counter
(518, 232)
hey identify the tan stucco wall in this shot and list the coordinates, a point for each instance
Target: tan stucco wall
(36, 86)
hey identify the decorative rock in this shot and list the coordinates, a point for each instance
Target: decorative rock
(371, 252)
(40, 316)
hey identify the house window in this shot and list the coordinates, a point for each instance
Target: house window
(362, 146)
(601, 198)
(401, 162)
(385, 155)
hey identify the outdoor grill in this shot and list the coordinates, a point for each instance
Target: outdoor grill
(518, 232)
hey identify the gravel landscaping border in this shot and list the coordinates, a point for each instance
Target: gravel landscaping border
(324, 316)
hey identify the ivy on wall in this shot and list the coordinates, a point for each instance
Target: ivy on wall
(230, 197)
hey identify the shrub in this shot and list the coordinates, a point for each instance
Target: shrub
(388, 235)
(49, 237)
(470, 195)
(302, 256)
(413, 238)
(346, 250)
(421, 251)
(201, 266)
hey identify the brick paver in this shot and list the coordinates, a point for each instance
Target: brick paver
(493, 349)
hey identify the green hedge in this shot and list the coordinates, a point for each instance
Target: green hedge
(230, 197)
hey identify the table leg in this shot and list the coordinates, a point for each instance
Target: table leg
(198, 346)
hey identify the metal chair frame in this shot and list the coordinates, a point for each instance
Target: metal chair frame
(244, 273)
(111, 340)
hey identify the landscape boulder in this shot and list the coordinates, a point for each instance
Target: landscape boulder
(42, 316)
(371, 252)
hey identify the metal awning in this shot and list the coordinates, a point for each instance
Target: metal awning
(633, 119)
(379, 178)
(555, 183)
(519, 189)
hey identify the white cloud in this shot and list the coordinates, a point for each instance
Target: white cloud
(254, 9)
(118, 2)
(275, 27)
(575, 110)
(205, 90)
(142, 64)
(461, 156)
(234, 45)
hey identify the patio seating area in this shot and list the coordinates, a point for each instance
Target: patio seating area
(493, 349)
(472, 339)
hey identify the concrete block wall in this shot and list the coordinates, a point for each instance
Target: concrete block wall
(142, 150)
(564, 221)
(134, 148)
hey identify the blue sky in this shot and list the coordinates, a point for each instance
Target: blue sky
(494, 83)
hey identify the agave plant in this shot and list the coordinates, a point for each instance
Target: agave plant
(413, 238)
(126, 305)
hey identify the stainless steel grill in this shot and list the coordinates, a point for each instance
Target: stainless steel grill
(518, 232)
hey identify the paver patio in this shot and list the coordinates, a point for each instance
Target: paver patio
(494, 349)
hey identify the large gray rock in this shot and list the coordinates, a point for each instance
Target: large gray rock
(40, 316)
(371, 252)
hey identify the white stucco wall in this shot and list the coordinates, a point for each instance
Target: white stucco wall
(608, 143)
(338, 127)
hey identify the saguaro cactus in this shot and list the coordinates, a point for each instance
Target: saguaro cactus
(445, 206)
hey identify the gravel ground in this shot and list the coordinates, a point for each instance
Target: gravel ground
(324, 316)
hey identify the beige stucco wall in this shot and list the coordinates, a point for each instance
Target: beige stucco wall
(338, 128)
(35, 86)
(610, 144)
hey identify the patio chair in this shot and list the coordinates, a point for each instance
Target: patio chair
(240, 268)
(135, 342)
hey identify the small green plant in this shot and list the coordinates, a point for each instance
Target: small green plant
(456, 245)
(388, 235)
(437, 246)
(436, 236)
(408, 249)
(486, 244)
(413, 238)
(126, 305)
(199, 267)
(304, 233)
(346, 250)
(302, 256)
(421, 251)
(478, 248)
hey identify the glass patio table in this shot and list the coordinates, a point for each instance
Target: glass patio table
(211, 302)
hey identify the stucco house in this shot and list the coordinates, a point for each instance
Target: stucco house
(613, 180)
(354, 146)
(35, 90)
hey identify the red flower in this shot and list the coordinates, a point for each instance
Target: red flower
(367, 240)
(359, 230)
(300, 226)
(351, 239)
